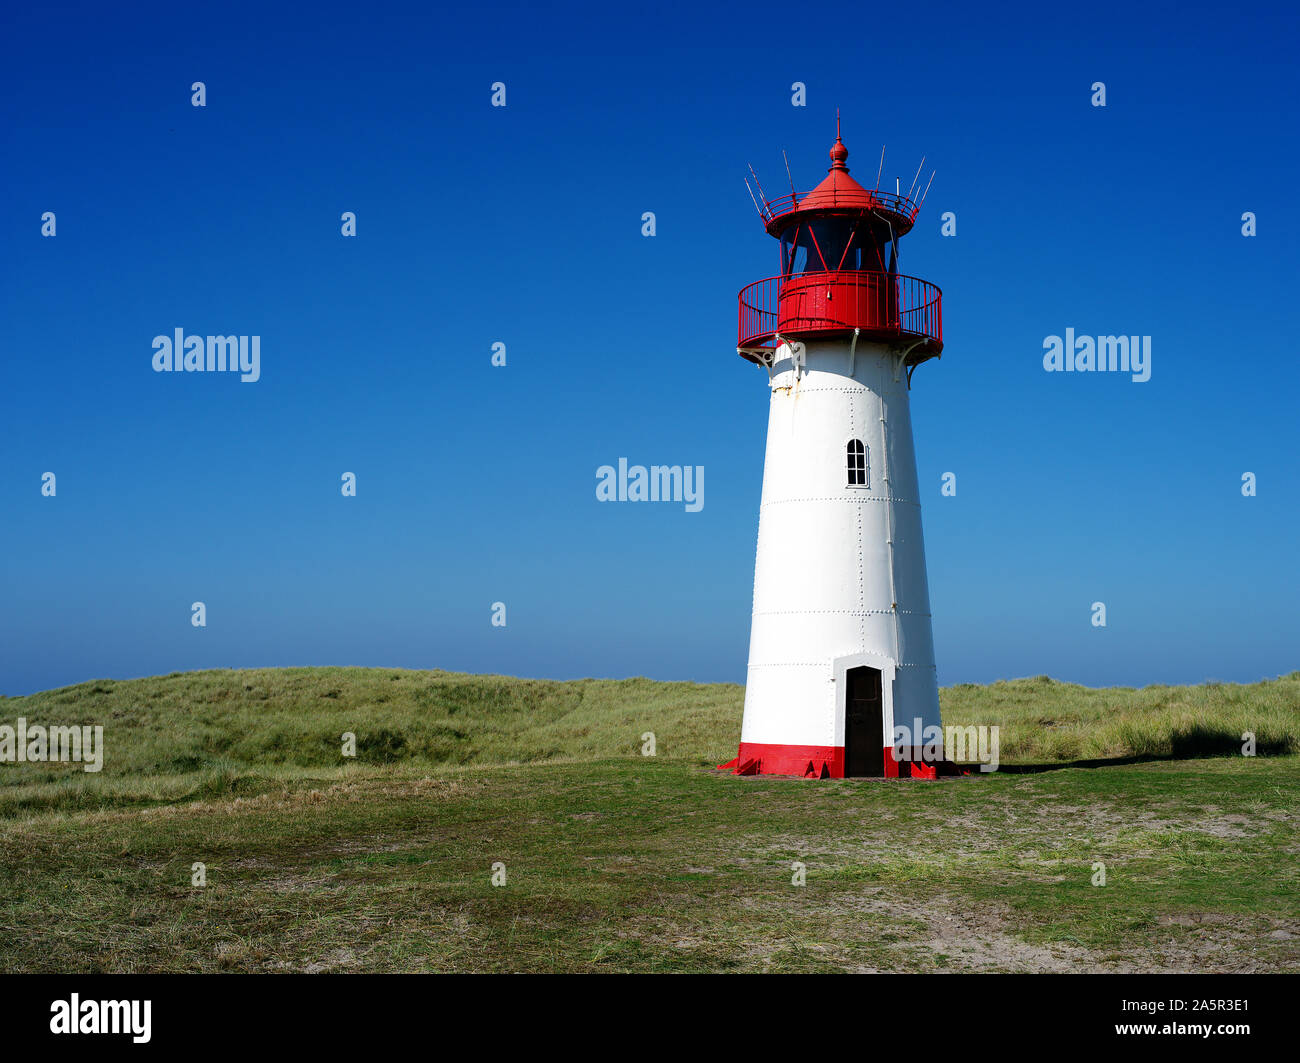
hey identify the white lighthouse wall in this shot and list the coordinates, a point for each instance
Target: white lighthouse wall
(826, 579)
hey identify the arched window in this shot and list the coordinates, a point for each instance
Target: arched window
(859, 470)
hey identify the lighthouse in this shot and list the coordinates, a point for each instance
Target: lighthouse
(841, 650)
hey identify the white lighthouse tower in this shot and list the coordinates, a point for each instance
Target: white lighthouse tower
(841, 649)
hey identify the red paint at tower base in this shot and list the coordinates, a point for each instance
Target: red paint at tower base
(827, 762)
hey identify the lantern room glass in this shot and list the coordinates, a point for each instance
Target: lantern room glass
(831, 244)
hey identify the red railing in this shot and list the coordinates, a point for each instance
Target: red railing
(887, 201)
(879, 305)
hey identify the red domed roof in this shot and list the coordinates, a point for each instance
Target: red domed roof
(838, 189)
(839, 192)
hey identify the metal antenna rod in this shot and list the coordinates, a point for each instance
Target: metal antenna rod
(758, 182)
(927, 190)
(751, 196)
(916, 178)
(882, 165)
(793, 194)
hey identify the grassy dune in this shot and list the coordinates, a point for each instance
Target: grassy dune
(187, 727)
(203, 733)
(616, 861)
(1046, 721)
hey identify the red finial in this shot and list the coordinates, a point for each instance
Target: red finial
(838, 152)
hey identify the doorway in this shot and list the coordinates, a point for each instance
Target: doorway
(864, 723)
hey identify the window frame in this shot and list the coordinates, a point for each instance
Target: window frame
(857, 464)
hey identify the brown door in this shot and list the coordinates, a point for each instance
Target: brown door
(864, 723)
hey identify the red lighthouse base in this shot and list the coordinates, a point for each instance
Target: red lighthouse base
(827, 762)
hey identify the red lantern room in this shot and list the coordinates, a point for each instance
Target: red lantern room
(839, 272)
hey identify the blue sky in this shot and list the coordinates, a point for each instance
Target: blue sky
(522, 225)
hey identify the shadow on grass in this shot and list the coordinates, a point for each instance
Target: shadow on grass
(1113, 762)
(1198, 742)
(1061, 765)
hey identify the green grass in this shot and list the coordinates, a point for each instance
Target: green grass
(1043, 720)
(619, 862)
